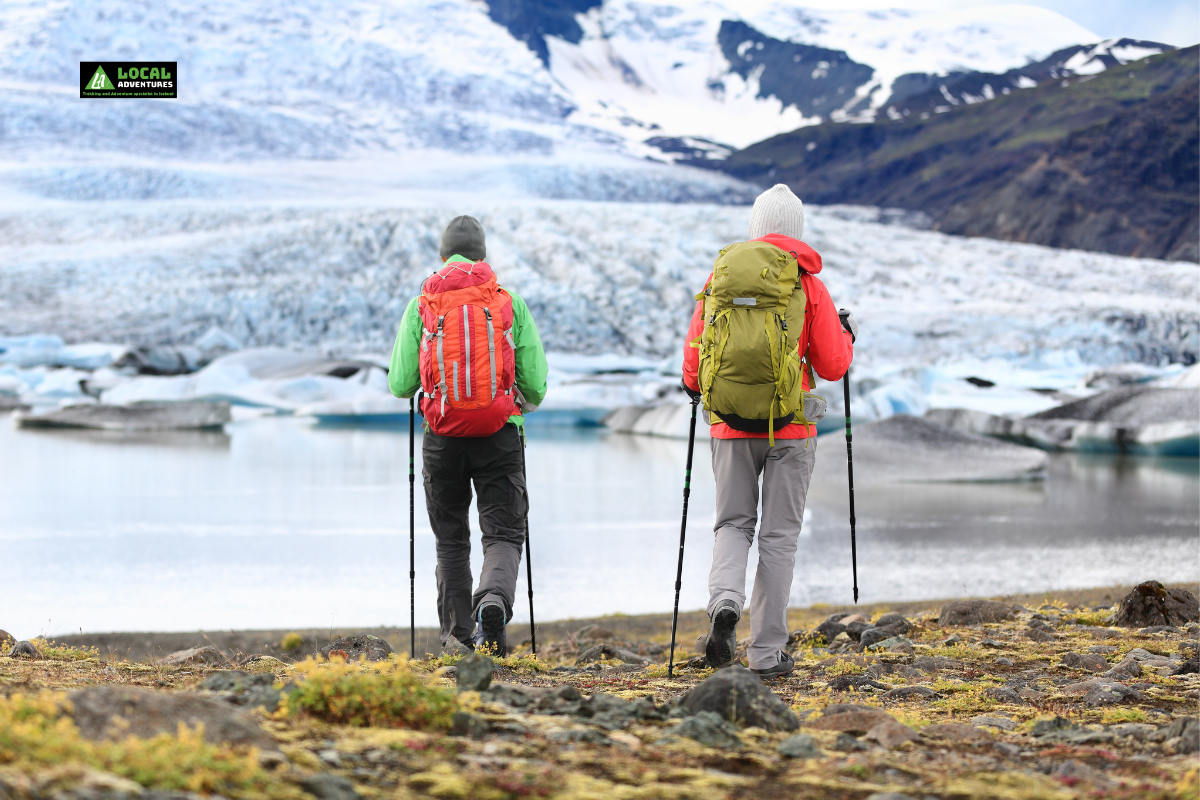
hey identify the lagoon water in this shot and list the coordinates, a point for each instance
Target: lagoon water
(279, 523)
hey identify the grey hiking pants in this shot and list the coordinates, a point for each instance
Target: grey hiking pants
(786, 470)
(495, 464)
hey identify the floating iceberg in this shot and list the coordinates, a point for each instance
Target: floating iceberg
(140, 417)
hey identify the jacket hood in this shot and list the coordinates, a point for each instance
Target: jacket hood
(808, 259)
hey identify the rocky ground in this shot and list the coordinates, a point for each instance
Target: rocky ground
(1051, 698)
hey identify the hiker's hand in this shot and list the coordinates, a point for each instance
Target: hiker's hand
(691, 393)
(849, 323)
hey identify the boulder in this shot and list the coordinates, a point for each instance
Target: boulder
(243, 688)
(975, 612)
(1151, 603)
(1002, 694)
(144, 714)
(205, 654)
(594, 654)
(6, 637)
(890, 734)
(800, 746)
(849, 718)
(738, 695)
(909, 692)
(353, 648)
(325, 786)
(474, 673)
(1106, 694)
(24, 650)
(831, 628)
(708, 728)
(956, 732)
(1089, 662)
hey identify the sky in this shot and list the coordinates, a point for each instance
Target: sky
(1174, 22)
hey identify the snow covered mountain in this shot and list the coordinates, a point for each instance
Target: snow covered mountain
(366, 78)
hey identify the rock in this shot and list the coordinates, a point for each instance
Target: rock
(1125, 670)
(1187, 731)
(848, 744)
(737, 694)
(855, 629)
(1089, 662)
(1044, 727)
(1110, 693)
(1071, 772)
(891, 734)
(907, 692)
(594, 654)
(145, 714)
(800, 746)
(892, 644)
(1151, 604)
(205, 654)
(851, 618)
(354, 648)
(464, 723)
(1138, 730)
(931, 664)
(595, 632)
(24, 650)
(1189, 667)
(975, 612)
(888, 796)
(1002, 694)
(873, 636)
(243, 688)
(1004, 662)
(1158, 629)
(1103, 649)
(6, 637)
(1032, 695)
(892, 618)
(1003, 723)
(860, 683)
(1039, 635)
(830, 629)
(856, 722)
(329, 787)
(708, 728)
(474, 673)
(956, 732)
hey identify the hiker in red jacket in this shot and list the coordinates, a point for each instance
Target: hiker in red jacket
(783, 458)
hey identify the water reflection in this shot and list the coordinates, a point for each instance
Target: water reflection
(278, 523)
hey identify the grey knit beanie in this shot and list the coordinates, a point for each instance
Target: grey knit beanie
(777, 210)
(464, 237)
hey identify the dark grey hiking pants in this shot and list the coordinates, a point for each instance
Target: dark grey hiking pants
(495, 465)
(785, 470)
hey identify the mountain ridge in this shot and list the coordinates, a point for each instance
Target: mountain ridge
(1047, 165)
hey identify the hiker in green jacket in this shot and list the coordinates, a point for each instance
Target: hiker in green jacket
(473, 351)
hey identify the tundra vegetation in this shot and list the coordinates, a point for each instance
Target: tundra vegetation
(1048, 698)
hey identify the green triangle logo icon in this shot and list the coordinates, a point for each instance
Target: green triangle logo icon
(100, 81)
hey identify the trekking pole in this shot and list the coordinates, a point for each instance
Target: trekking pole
(850, 474)
(528, 555)
(687, 491)
(412, 532)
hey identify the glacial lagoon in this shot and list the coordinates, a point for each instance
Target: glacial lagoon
(278, 522)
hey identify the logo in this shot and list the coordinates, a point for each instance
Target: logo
(146, 79)
(100, 81)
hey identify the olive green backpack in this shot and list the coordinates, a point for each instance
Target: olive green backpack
(751, 375)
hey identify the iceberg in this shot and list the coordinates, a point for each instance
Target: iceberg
(140, 417)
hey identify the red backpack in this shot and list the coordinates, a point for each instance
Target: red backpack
(467, 359)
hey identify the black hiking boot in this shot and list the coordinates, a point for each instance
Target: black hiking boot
(784, 667)
(722, 635)
(491, 629)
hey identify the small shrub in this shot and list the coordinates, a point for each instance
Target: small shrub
(291, 642)
(525, 664)
(380, 694)
(34, 735)
(1115, 716)
(57, 652)
(843, 667)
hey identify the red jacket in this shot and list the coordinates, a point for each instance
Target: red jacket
(827, 343)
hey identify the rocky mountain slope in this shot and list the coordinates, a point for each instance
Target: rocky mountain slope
(1106, 162)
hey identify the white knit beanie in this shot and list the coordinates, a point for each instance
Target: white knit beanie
(777, 210)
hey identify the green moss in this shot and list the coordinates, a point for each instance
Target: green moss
(380, 694)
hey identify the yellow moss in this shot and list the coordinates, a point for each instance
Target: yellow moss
(291, 642)
(57, 652)
(844, 667)
(1005, 786)
(1114, 716)
(1188, 787)
(382, 693)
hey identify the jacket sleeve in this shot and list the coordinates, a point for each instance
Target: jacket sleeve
(404, 372)
(830, 347)
(530, 357)
(691, 355)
